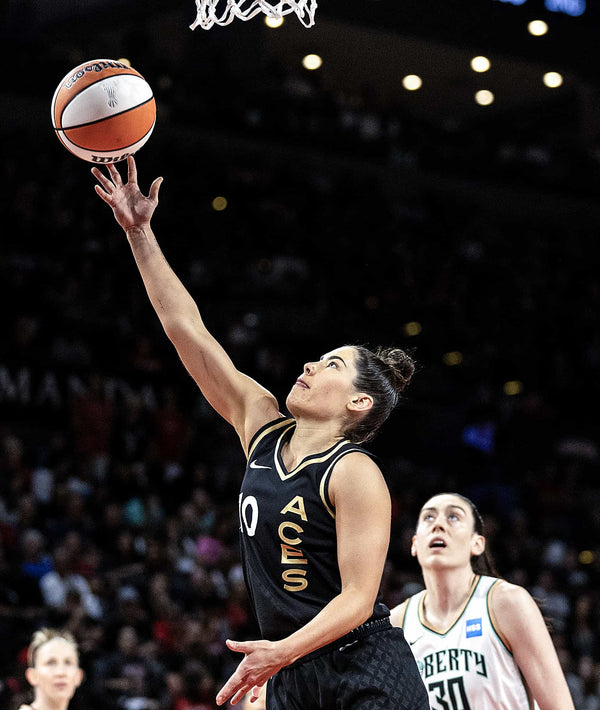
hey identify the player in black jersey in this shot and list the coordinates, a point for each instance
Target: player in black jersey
(314, 506)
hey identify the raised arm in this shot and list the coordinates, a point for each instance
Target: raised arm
(363, 514)
(522, 627)
(236, 397)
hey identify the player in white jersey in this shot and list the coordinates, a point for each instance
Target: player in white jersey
(480, 642)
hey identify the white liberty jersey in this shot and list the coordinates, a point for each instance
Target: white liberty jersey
(468, 667)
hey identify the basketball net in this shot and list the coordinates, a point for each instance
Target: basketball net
(207, 14)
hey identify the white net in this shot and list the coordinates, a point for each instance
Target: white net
(209, 14)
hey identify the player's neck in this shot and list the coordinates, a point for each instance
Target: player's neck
(45, 703)
(309, 438)
(447, 593)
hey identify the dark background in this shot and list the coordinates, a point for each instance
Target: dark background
(355, 209)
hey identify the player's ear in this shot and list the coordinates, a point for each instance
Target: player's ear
(360, 402)
(31, 676)
(413, 548)
(477, 544)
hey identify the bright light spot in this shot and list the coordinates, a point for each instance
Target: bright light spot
(124, 60)
(412, 82)
(273, 22)
(552, 79)
(586, 557)
(537, 28)
(453, 358)
(480, 64)
(513, 387)
(219, 204)
(312, 62)
(413, 328)
(484, 97)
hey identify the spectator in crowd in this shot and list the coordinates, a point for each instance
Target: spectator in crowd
(56, 585)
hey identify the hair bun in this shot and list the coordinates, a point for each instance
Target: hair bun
(400, 364)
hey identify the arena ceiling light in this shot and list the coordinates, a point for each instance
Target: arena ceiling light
(412, 82)
(552, 79)
(537, 28)
(480, 64)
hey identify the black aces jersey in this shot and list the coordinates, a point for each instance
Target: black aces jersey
(288, 535)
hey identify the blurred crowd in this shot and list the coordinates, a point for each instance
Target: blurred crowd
(118, 485)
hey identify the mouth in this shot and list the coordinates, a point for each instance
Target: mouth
(437, 542)
(301, 383)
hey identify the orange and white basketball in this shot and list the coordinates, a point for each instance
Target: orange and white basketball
(103, 111)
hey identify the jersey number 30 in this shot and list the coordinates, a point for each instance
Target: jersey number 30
(450, 694)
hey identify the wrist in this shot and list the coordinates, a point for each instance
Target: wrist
(287, 651)
(136, 231)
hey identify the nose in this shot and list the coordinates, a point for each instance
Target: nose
(309, 368)
(437, 524)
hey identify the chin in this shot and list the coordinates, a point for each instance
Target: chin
(292, 403)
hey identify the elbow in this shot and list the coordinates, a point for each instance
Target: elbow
(362, 610)
(172, 328)
(366, 612)
(176, 329)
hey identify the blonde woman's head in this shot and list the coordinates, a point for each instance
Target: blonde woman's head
(53, 666)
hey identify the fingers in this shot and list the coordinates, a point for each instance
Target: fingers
(233, 694)
(154, 188)
(236, 686)
(239, 695)
(131, 169)
(104, 181)
(114, 174)
(104, 195)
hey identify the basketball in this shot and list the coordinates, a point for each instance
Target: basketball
(103, 111)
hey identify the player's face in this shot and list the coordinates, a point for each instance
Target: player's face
(56, 674)
(445, 536)
(325, 387)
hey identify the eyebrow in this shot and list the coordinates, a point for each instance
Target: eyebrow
(334, 357)
(433, 508)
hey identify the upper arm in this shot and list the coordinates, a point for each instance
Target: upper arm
(522, 627)
(239, 399)
(363, 514)
(397, 614)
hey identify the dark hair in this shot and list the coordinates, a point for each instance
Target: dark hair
(483, 563)
(382, 373)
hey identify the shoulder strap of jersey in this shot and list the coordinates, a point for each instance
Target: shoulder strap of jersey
(324, 485)
(494, 581)
(267, 429)
(404, 612)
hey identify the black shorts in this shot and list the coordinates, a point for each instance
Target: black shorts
(374, 672)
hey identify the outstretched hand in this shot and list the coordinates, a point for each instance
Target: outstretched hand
(262, 660)
(130, 207)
